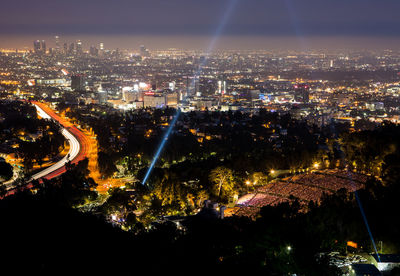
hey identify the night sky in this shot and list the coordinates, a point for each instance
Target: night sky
(297, 18)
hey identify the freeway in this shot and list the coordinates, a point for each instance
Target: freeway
(78, 150)
(79, 143)
(74, 148)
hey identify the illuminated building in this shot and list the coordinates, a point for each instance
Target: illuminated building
(102, 95)
(57, 38)
(79, 49)
(192, 85)
(171, 86)
(43, 47)
(39, 47)
(150, 99)
(129, 95)
(171, 99)
(71, 49)
(144, 52)
(51, 82)
(224, 91)
(36, 46)
(302, 93)
(93, 51)
(78, 82)
(101, 49)
(221, 87)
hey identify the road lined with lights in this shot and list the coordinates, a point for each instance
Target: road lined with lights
(78, 142)
(74, 148)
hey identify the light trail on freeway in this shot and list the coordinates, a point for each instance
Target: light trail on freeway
(78, 142)
(74, 149)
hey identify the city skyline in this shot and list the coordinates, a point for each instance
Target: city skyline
(207, 137)
(132, 43)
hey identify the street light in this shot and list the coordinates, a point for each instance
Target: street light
(272, 172)
(316, 165)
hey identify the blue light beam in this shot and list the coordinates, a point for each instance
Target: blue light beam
(162, 144)
(295, 23)
(364, 216)
(366, 224)
(222, 24)
(217, 34)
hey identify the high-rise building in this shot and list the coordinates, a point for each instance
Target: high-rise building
(192, 85)
(172, 86)
(79, 49)
(150, 99)
(39, 47)
(101, 49)
(129, 95)
(36, 46)
(93, 51)
(144, 52)
(58, 47)
(101, 95)
(224, 88)
(221, 87)
(71, 49)
(117, 53)
(43, 47)
(171, 99)
(78, 82)
(302, 93)
(65, 48)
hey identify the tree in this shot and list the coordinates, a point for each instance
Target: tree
(106, 165)
(3, 190)
(6, 170)
(222, 178)
(119, 202)
(171, 194)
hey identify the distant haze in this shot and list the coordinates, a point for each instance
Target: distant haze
(132, 43)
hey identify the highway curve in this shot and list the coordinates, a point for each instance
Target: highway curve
(79, 143)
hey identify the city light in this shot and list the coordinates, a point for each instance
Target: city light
(217, 34)
(240, 125)
(161, 146)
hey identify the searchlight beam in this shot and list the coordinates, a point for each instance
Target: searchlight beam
(217, 34)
